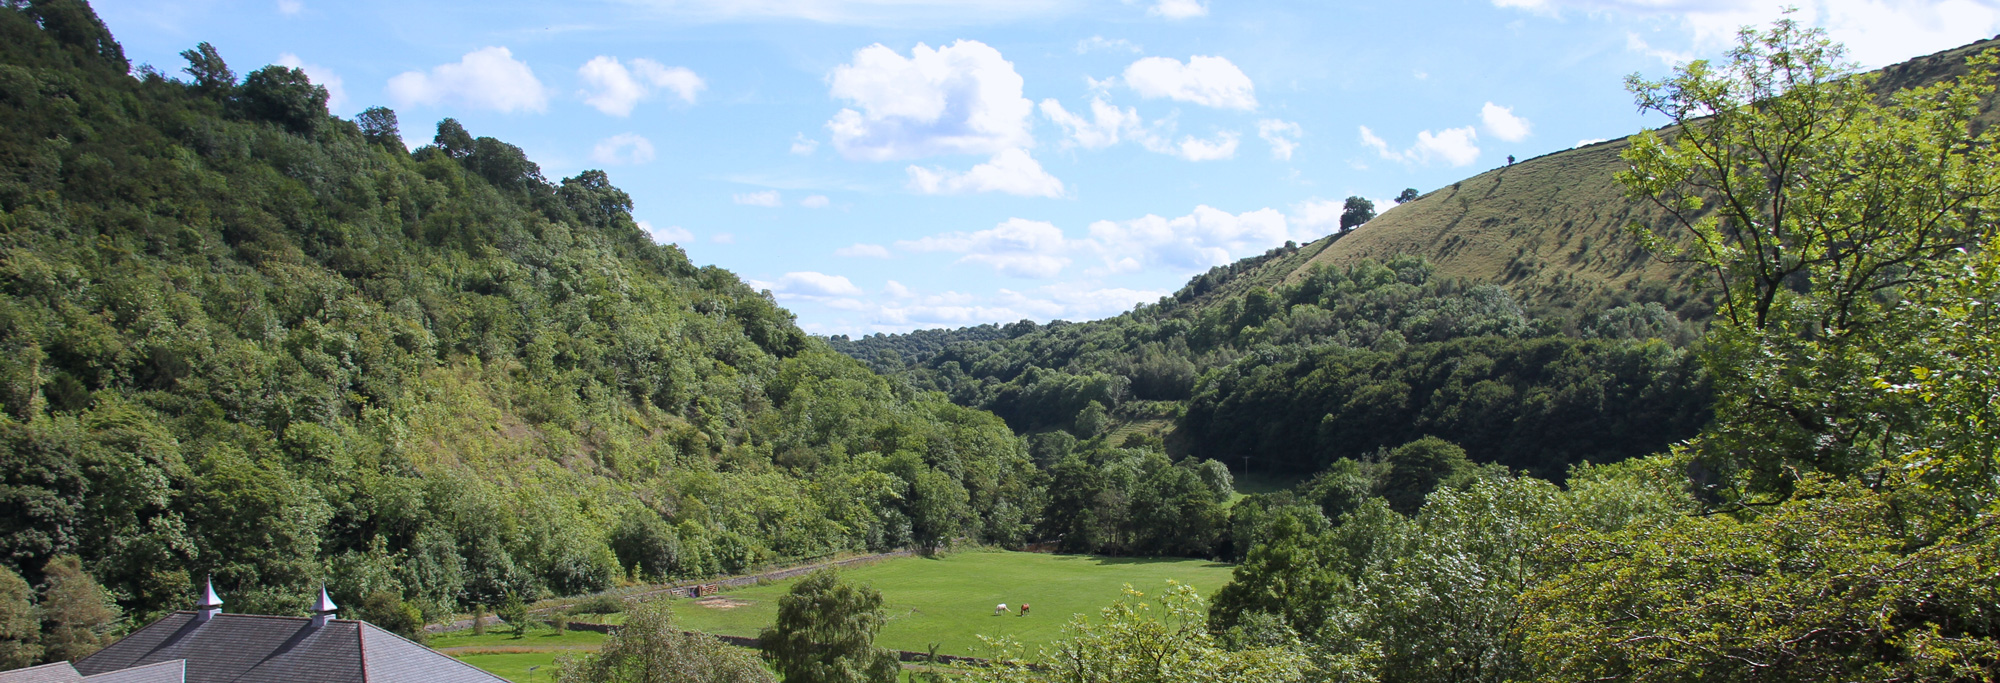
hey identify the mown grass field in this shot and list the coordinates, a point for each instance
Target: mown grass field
(503, 655)
(949, 600)
(515, 667)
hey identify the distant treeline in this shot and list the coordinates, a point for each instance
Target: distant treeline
(1342, 363)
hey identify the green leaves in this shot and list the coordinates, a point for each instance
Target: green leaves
(650, 649)
(825, 633)
(1137, 640)
(1824, 586)
(1817, 205)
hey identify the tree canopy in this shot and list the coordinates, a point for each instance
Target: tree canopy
(825, 633)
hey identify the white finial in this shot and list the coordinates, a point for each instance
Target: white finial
(323, 609)
(325, 603)
(211, 604)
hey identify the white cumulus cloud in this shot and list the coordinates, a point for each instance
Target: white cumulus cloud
(623, 148)
(906, 309)
(817, 201)
(1503, 124)
(615, 88)
(1283, 136)
(765, 198)
(809, 285)
(1668, 57)
(803, 146)
(1207, 81)
(1877, 32)
(1317, 216)
(1204, 238)
(898, 14)
(1011, 171)
(1178, 9)
(1016, 247)
(336, 90)
(863, 250)
(1107, 123)
(1454, 146)
(291, 7)
(1191, 148)
(1095, 43)
(963, 98)
(667, 235)
(488, 78)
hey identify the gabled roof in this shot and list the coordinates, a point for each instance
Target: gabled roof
(59, 672)
(247, 648)
(170, 671)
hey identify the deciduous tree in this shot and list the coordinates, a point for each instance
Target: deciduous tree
(1814, 205)
(825, 633)
(209, 71)
(1131, 643)
(648, 648)
(1358, 210)
(20, 629)
(76, 614)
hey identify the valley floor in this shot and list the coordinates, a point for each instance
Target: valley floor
(946, 601)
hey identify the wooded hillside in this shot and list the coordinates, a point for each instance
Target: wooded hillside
(247, 340)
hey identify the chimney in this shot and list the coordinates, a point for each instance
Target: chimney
(323, 609)
(210, 604)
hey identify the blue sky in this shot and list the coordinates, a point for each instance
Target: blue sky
(887, 165)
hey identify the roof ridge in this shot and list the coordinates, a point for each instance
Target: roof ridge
(361, 645)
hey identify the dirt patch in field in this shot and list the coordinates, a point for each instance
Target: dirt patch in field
(720, 602)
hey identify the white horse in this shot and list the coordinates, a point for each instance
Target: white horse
(1000, 609)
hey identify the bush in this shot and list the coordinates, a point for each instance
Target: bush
(389, 611)
(649, 649)
(515, 613)
(598, 604)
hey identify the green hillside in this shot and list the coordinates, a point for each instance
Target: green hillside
(247, 340)
(1553, 228)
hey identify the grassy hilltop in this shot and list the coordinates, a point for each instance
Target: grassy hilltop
(1553, 228)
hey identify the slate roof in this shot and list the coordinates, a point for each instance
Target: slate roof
(170, 671)
(62, 672)
(248, 648)
(59, 672)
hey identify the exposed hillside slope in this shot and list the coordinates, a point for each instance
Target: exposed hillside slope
(1553, 228)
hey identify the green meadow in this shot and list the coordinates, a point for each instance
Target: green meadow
(949, 600)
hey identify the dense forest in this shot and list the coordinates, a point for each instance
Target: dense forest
(1343, 363)
(250, 341)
